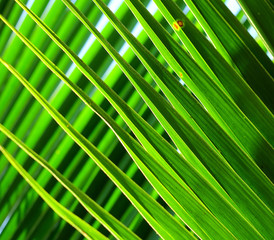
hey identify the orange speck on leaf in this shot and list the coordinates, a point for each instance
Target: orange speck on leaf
(178, 25)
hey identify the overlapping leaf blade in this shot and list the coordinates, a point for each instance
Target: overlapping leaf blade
(203, 86)
(126, 185)
(114, 226)
(87, 231)
(261, 17)
(247, 63)
(233, 84)
(181, 99)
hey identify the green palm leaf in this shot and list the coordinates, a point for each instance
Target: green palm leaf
(179, 160)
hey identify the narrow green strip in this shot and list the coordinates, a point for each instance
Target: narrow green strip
(260, 14)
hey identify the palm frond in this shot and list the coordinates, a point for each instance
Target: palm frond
(136, 120)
